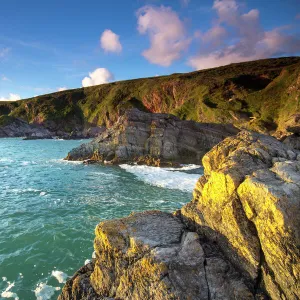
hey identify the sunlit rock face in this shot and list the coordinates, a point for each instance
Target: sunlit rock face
(248, 202)
(152, 255)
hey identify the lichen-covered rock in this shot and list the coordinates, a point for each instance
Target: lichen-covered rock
(152, 255)
(154, 139)
(249, 203)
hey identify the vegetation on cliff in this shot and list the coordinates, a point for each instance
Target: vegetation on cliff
(261, 95)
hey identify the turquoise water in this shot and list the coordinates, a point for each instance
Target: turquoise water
(49, 209)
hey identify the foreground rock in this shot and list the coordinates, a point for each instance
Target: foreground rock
(151, 255)
(248, 201)
(153, 139)
(239, 238)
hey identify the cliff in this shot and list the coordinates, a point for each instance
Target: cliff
(260, 95)
(153, 139)
(237, 239)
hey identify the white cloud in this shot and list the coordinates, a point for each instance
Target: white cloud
(166, 32)
(99, 76)
(4, 78)
(110, 42)
(4, 51)
(60, 89)
(11, 97)
(247, 39)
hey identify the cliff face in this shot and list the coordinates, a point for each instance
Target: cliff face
(260, 95)
(153, 139)
(237, 239)
(248, 202)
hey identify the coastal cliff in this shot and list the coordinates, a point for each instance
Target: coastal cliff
(237, 239)
(154, 139)
(259, 95)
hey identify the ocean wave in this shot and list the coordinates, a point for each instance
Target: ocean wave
(7, 292)
(62, 161)
(164, 177)
(44, 291)
(60, 276)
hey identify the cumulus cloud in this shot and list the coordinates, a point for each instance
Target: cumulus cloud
(166, 32)
(99, 76)
(237, 36)
(60, 89)
(110, 42)
(11, 97)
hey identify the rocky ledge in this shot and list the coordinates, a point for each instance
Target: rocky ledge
(153, 139)
(239, 238)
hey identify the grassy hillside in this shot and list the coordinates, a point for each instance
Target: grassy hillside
(260, 95)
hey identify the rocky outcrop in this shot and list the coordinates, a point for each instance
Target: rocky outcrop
(15, 127)
(239, 238)
(248, 202)
(153, 139)
(152, 255)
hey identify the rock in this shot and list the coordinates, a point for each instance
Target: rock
(293, 123)
(153, 139)
(15, 127)
(293, 141)
(248, 203)
(239, 238)
(151, 255)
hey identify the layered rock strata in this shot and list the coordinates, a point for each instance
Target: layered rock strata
(239, 238)
(153, 139)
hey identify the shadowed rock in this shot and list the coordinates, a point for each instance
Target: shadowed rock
(153, 139)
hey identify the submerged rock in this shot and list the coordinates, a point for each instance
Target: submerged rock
(239, 238)
(153, 139)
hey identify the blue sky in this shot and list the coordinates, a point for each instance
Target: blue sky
(47, 45)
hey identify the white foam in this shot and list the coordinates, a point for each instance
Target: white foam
(185, 168)
(63, 161)
(87, 261)
(60, 276)
(4, 278)
(5, 159)
(43, 193)
(44, 291)
(7, 293)
(164, 177)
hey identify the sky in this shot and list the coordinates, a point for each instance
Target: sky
(47, 46)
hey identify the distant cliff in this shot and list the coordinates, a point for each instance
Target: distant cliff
(261, 95)
(238, 239)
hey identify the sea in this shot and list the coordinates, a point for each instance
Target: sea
(49, 208)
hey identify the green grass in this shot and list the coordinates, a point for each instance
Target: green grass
(229, 94)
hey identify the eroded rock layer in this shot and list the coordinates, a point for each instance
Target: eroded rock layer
(153, 139)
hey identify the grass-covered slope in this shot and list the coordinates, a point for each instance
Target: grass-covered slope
(260, 95)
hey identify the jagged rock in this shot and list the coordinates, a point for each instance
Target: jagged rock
(153, 139)
(151, 255)
(248, 202)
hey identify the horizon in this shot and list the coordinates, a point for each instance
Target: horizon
(159, 38)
